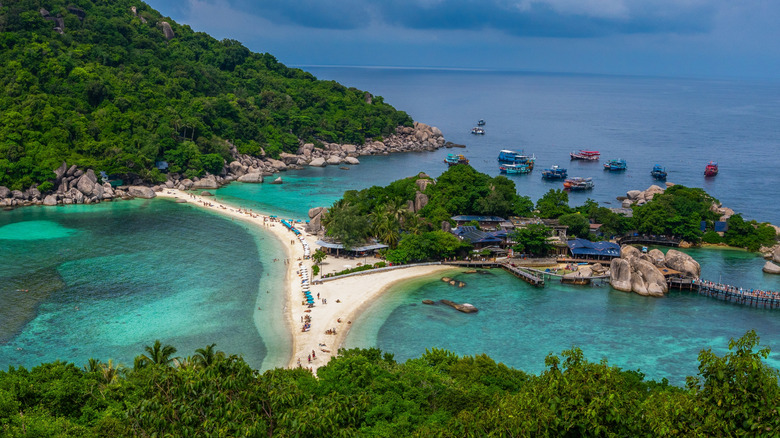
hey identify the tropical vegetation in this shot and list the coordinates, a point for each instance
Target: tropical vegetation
(113, 93)
(365, 392)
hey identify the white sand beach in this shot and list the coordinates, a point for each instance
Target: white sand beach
(344, 298)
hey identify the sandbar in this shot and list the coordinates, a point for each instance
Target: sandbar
(336, 302)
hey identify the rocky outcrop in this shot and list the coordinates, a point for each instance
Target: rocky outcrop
(141, 192)
(318, 162)
(429, 302)
(315, 219)
(647, 279)
(420, 201)
(679, 261)
(254, 177)
(465, 307)
(207, 182)
(656, 257)
(771, 268)
(167, 31)
(620, 274)
(278, 180)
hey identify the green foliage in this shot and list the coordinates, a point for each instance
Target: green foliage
(113, 94)
(432, 245)
(711, 237)
(578, 224)
(749, 234)
(533, 239)
(676, 212)
(315, 270)
(553, 204)
(365, 392)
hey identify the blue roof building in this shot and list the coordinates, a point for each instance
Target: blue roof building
(585, 249)
(478, 238)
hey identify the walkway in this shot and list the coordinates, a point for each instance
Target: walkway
(751, 297)
(514, 270)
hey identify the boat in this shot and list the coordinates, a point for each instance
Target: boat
(658, 172)
(477, 130)
(711, 169)
(453, 159)
(513, 157)
(554, 172)
(515, 169)
(585, 155)
(481, 122)
(615, 165)
(578, 183)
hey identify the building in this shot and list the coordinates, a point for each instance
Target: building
(481, 239)
(358, 251)
(585, 249)
(485, 222)
(558, 232)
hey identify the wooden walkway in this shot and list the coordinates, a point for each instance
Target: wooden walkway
(757, 298)
(516, 271)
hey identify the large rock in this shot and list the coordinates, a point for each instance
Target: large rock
(423, 183)
(277, 181)
(141, 192)
(633, 194)
(679, 261)
(167, 30)
(236, 168)
(315, 224)
(620, 274)
(465, 307)
(277, 164)
(628, 251)
(771, 268)
(776, 255)
(60, 171)
(207, 182)
(318, 162)
(5, 192)
(50, 200)
(657, 257)
(315, 211)
(85, 185)
(420, 201)
(333, 160)
(647, 279)
(254, 177)
(351, 160)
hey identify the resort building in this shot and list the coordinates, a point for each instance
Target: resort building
(481, 239)
(598, 251)
(558, 232)
(484, 222)
(338, 249)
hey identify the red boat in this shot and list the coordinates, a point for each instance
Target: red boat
(585, 155)
(711, 169)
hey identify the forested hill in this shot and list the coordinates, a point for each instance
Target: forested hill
(116, 87)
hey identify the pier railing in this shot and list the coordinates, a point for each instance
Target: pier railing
(514, 270)
(750, 297)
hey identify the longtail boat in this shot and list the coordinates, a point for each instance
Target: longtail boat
(658, 172)
(453, 159)
(711, 169)
(514, 169)
(585, 155)
(578, 183)
(554, 172)
(615, 165)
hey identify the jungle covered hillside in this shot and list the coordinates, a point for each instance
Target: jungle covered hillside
(115, 86)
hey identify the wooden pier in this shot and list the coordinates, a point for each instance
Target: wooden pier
(516, 271)
(765, 299)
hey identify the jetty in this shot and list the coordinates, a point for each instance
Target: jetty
(725, 292)
(514, 270)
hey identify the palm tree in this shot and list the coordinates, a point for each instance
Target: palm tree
(93, 365)
(158, 354)
(110, 373)
(205, 357)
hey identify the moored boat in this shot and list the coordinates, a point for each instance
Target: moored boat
(453, 159)
(658, 172)
(615, 165)
(513, 157)
(514, 169)
(585, 155)
(711, 169)
(477, 130)
(578, 183)
(481, 122)
(554, 172)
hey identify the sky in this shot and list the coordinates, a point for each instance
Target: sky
(682, 38)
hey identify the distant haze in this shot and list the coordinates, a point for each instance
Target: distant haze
(692, 38)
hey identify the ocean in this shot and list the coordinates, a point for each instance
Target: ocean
(104, 281)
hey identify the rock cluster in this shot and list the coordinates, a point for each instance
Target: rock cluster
(638, 197)
(773, 259)
(76, 186)
(641, 273)
(465, 307)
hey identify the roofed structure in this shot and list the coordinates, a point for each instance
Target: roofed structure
(581, 248)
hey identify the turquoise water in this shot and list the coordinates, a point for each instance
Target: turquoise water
(519, 324)
(104, 281)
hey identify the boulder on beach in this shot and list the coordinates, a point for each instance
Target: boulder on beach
(207, 182)
(206, 193)
(141, 192)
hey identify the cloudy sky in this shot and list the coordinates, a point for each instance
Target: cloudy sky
(697, 38)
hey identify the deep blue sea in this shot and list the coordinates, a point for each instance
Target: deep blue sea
(103, 281)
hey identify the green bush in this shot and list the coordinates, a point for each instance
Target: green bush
(45, 187)
(711, 237)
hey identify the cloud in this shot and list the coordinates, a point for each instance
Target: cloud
(534, 18)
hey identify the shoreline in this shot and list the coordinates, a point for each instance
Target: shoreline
(338, 300)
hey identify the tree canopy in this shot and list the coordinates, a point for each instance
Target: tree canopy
(114, 94)
(365, 392)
